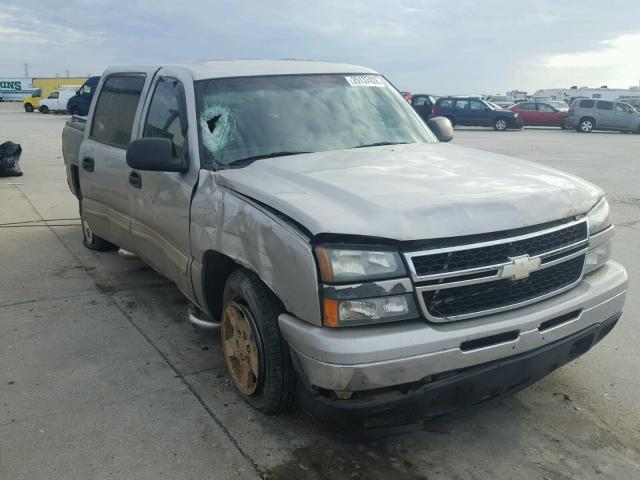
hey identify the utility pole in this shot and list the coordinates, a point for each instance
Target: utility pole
(67, 71)
(26, 70)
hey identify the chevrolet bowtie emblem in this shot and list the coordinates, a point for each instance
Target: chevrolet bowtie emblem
(520, 267)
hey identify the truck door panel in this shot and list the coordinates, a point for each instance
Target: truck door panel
(160, 204)
(103, 171)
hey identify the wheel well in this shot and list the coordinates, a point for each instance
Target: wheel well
(586, 117)
(216, 268)
(75, 179)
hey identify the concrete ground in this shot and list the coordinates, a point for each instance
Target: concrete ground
(101, 376)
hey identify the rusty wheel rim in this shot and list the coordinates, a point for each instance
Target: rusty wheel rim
(240, 348)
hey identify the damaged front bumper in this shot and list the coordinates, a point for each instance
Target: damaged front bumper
(409, 358)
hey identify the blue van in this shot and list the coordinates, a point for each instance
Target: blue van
(475, 111)
(79, 104)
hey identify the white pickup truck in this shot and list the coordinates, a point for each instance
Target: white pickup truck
(357, 263)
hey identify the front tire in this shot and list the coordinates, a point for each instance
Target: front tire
(500, 124)
(28, 108)
(93, 241)
(585, 125)
(255, 353)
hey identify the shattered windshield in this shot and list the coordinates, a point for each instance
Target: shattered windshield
(245, 119)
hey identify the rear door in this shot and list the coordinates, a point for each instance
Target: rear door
(160, 202)
(605, 116)
(104, 182)
(623, 116)
(528, 112)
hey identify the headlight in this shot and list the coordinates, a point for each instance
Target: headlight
(598, 217)
(596, 257)
(344, 313)
(349, 265)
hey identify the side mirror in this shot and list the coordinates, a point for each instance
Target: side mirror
(442, 128)
(154, 154)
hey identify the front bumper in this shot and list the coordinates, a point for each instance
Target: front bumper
(516, 122)
(377, 356)
(453, 393)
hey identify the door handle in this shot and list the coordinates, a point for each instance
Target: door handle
(135, 180)
(88, 164)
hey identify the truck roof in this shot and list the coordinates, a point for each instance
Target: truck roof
(248, 68)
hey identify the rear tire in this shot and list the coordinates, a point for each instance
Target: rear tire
(271, 388)
(586, 125)
(500, 124)
(93, 241)
(44, 109)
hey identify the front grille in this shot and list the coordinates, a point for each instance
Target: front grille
(448, 261)
(479, 297)
(475, 279)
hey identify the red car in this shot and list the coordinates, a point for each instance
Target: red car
(539, 113)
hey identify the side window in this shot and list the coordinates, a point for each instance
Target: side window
(163, 117)
(526, 106)
(543, 107)
(604, 105)
(477, 105)
(419, 100)
(622, 108)
(116, 109)
(445, 103)
(460, 104)
(587, 103)
(54, 95)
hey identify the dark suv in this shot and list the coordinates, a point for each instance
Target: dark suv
(475, 111)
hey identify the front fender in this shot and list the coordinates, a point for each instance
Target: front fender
(231, 224)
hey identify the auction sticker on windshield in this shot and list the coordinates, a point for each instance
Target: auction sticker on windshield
(365, 81)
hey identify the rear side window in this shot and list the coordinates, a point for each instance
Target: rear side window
(419, 100)
(604, 106)
(163, 118)
(116, 109)
(587, 103)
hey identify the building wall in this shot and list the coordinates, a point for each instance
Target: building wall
(15, 89)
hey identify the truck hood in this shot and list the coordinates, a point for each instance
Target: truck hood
(411, 192)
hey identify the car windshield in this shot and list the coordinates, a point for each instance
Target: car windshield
(245, 119)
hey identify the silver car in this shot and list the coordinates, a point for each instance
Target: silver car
(586, 115)
(357, 264)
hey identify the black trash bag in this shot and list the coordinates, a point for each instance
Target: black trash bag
(9, 158)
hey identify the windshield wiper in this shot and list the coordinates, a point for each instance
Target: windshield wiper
(379, 144)
(248, 160)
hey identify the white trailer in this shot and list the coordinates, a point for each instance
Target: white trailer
(566, 94)
(15, 89)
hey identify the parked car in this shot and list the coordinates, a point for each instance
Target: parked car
(539, 113)
(42, 88)
(56, 101)
(80, 102)
(353, 262)
(423, 104)
(586, 115)
(475, 111)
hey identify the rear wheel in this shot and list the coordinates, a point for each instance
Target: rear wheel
(28, 108)
(93, 241)
(44, 109)
(586, 125)
(256, 355)
(500, 124)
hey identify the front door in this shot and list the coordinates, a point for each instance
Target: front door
(605, 117)
(160, 202)
(547, 115)
(480, 113)
(623, 116)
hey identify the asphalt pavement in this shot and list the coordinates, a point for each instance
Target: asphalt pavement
(101, 375)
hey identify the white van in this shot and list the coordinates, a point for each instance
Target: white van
(57, 100)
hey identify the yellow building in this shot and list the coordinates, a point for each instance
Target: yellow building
(44, 86)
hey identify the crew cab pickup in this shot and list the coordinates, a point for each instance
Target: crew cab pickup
(356, 263)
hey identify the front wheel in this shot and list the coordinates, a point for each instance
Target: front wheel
(28, 108)
(256, 355)
(585, 125)
(44, 109)
(500, 124)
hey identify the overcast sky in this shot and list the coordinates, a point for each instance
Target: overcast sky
(439, 47)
